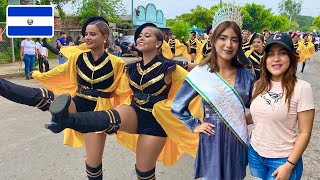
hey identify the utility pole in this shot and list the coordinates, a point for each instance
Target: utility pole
(132, 9)
(220, 1)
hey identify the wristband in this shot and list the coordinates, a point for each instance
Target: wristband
(293, 164)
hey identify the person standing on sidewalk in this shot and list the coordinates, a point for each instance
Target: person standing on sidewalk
(28, 54)
(61, 42)
(42, 56)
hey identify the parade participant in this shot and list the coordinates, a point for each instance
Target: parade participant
(193, 45)
(205, 46)
(280, 103)
(42, 56)
(176, 47)
(301, 51)
(90, 75)
(225, 88)
(199, 37)
(246, 46)
(256, 54)
(28, 53)
(266, 34)
(154, 82)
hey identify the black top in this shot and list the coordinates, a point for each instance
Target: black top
(172, 43)
(94, 74)
(246, 46)
(206, 49)
(148, 81)
(193, 43)
(255, 58)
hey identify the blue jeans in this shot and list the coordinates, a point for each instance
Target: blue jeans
(28, 63)
(61, 59)
(117, 53)
(261, 167)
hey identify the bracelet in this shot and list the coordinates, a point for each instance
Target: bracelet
(293, 164)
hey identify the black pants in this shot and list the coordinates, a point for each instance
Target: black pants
(316, 47)
(46, 64)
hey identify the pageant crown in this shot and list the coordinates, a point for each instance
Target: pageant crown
(227, 13)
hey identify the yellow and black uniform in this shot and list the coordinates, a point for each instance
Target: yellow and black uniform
(152, 99)
(148, 86)
(193, 43)
(255, 59)
(90, 82)
(246, 46)
(205, 51)
(172, 44)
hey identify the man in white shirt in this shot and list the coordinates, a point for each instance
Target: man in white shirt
(43, 55)
(316, 42)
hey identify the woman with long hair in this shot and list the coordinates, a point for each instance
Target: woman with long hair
(90, 75)
(280, 103)
(225, 88)
(154, 81)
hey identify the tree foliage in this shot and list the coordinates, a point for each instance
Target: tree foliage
(180, 28)
(280, 23)
(256, 17)
(58, 5)
(109, 9)
(3, 8)
(290, 8)
(304, 20)
(200, 17)
(316, 22)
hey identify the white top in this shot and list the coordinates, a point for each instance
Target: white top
(274, 127)
(317, 40)
(29, 47)
(43, 50)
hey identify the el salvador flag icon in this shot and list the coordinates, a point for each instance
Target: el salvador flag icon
(30, 21)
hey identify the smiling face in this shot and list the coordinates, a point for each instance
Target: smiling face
(257, 44)
(227, 45)
(94, 37)
(277, 62)
(148, 40)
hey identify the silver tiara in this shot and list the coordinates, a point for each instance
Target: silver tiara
(227, 13)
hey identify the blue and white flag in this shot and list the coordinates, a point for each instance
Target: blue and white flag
(30, 21)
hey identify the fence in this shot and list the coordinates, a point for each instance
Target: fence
(7, 49)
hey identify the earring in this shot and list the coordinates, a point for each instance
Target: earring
(104, 41)
(156, 46)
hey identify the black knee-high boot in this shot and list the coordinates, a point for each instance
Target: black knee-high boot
(94, 173)
(303, 65)
(149, 175)
(83, 122)
(37, 97)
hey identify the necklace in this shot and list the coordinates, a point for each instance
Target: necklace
(229, 78)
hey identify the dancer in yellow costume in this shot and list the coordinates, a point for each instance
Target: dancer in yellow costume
(176, 47)
(310, 46)
(194, 46)
(205, 47)
(301, 50)
(154, 82)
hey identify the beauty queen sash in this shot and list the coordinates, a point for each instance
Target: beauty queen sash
(223, 99)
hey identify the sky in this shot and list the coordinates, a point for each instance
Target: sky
(172, 8)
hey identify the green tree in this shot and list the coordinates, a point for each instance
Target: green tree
(304, 20)
(58, 5)
(280, 23)
(256, 17)
(290, 8)
(316, 22)
(180, 28)
(200, 17)
(3, 9)
(109, 9)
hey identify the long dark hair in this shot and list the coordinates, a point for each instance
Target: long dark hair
(212, 58)
(288, 81)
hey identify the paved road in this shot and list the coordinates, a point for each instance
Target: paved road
(30, 152)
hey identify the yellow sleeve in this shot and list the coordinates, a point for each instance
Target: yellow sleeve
(61, 79)
(304, 52)
(166, 51)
